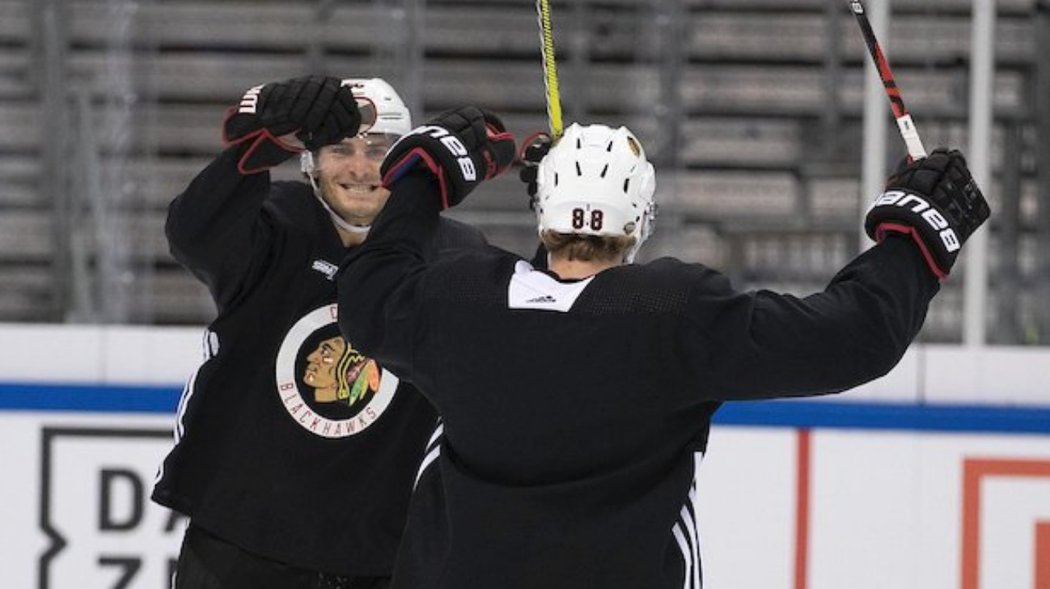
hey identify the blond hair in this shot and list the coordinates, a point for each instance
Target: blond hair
(587, 248)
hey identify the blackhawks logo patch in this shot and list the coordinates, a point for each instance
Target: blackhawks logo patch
(329, 388)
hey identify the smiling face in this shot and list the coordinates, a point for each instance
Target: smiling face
(348, 177)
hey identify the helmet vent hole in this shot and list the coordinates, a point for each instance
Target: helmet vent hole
(555, 179)
(579, 143)
(579, 172)
(626, 185)
(609, 147)
(604, 170)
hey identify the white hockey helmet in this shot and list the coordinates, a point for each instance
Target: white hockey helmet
(596, 181)
(391, 116)
(382, 113)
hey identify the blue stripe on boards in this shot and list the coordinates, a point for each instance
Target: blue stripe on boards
(887, 416)
(89, 398)
(791, 413)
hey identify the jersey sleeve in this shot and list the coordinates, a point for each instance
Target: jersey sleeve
(215, 227)
(765, 345)
(380, 283)
(455, 235)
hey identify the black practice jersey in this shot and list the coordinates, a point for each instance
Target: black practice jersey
(289, 442)
(572, 410)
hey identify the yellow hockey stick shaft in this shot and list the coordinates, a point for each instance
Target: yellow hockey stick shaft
(550, 69)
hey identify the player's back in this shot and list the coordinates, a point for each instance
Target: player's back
(571, 422)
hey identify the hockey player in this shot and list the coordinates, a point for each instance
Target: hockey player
(573, 399)
(295, 453)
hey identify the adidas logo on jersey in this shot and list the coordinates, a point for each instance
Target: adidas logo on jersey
(543, 299)
(327, 268)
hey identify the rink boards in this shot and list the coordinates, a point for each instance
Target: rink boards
(937, 476)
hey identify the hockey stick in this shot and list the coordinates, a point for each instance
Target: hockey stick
(900, 112)
(550, 69)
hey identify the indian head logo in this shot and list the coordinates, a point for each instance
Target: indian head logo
(339, 374)
(327, 386)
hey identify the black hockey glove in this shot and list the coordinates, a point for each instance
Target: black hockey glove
(934, 200)
(318, 110)
(533, 150)
(461, 147)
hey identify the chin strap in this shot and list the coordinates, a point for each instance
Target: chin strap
(338, 220)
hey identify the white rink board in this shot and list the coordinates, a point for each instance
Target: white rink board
(885, 506)
(90, 482)
(885, 510)
(888, 510)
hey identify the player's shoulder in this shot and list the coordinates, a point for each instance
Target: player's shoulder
(664, 285)
(294, 206)
(672, 271)
(293, 201)
(291, 193)
(483, 258)
(475, 275)
(289, 190)
(453, 234)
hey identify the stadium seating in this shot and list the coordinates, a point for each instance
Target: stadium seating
(765, 137)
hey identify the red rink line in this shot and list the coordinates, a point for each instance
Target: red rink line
(802, 478)
(1042, 555)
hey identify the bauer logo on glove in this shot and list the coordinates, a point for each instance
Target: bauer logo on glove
(936, 202)
(930, 215)
(455, 147)
(461, 148)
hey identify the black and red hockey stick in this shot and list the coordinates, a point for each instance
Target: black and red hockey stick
(900, 112)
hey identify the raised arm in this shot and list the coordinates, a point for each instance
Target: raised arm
(216, 227)
(428, 170)
(857, 329)
(766, 344)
